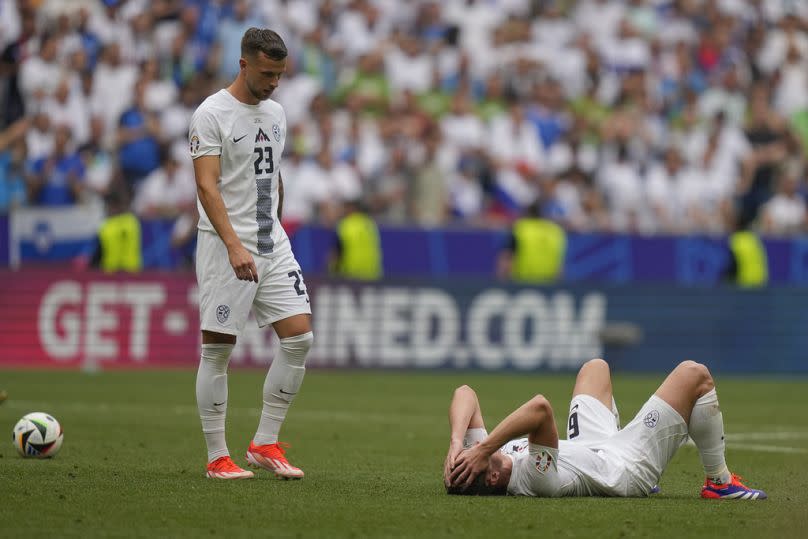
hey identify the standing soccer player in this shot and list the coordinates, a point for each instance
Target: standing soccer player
(244, 259)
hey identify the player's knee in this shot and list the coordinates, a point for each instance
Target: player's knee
(297, 348)
(540, 403)
(697, 371)
(464, 389)
(595, 364)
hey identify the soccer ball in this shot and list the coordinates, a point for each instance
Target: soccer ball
(38, 435)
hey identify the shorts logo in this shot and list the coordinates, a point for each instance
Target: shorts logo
(194, 144)
(543, 461)
(222, 313)
(276, 132)
(651, 419)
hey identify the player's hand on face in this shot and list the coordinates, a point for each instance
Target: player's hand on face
(454, 450)
(468, 465)
(243, 264)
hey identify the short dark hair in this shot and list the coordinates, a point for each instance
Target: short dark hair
(477, 488)
(264, 40)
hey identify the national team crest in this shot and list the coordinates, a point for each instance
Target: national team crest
(222, 313)
(194, 144)
(276, 132)
(651, 419)
(544, 461)
(261, 136)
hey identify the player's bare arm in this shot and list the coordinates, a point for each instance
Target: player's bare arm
(207, 170)
(534, 418)
(464, 414)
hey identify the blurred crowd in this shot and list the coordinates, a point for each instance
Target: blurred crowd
(645, 116)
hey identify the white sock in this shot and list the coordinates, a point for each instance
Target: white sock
(211, 396)
(474, 436)
(282, 383)
(706, 427)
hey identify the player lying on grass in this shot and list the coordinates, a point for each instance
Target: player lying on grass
(598, 458)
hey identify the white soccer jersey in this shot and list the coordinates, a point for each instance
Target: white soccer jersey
(571, 470)
(250, 140)
(628, 462)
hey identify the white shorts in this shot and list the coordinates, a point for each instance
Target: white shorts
(647, 444)
(639, 452)
(589, 420)
(225, 301)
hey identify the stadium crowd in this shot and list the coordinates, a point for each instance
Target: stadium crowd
(648, 116)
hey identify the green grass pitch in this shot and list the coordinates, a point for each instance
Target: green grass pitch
(372, 446)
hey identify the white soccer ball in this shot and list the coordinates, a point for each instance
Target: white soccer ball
(38, 435)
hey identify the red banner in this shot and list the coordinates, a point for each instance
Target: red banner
(93, 320)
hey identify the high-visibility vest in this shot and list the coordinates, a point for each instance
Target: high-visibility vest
(361, 256)
(539, 251)
(750, 259)
(120, 243)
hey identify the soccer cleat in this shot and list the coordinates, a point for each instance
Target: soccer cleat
(734, 490)
(225, 468)
(270, 457)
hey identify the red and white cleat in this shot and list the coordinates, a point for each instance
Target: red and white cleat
(270, 457)
(225, 468)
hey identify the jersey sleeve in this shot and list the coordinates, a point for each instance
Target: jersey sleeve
(536, 474)
(204, 135)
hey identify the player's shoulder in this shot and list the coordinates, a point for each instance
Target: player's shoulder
(214, 105)
(273, 107)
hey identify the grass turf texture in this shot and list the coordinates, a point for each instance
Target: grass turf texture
(372, 445)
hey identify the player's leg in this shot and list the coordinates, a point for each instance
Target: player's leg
(593, 413)
(211, 398)
(285, 376)
(466, 426)
(690, 390)
(282, 384)
(224, 306)
(466, 418)
(595, 379)
(282, 301)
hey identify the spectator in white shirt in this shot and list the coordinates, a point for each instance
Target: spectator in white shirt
(785, 213)
(159, 93)
(661, 191)
(621, 184)
(309, 201)
(599, 18)
(514, 141)
(113, 84)
(167, 192)
(39, 137)
(725, 95)
(174, 119)
(408, 67)
(461, 128)
(791, 92)
(67, 106)
(111, 26)
(778, 41)
(467, 199)
(40, 74)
